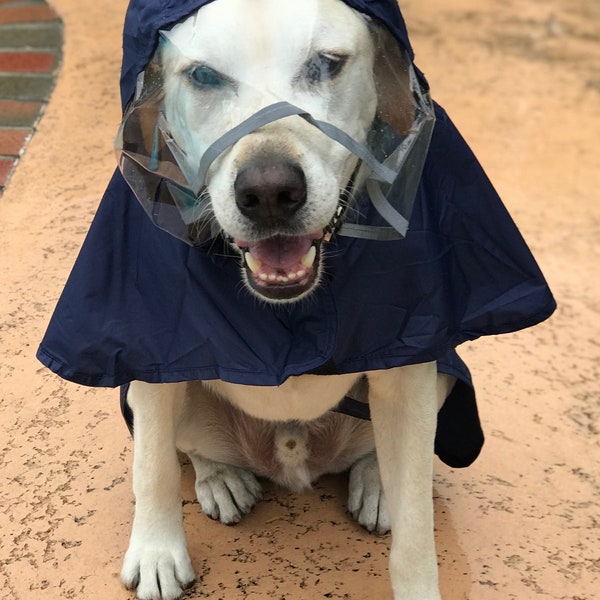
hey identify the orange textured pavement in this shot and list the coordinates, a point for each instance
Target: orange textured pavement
(521, 80)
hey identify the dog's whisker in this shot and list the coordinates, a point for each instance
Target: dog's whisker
(330, 254)
(349, 202)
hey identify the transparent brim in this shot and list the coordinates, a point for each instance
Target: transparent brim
(172, 188)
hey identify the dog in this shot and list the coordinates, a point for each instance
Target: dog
(274, 193)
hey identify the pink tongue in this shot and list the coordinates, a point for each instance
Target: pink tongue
(281, 252)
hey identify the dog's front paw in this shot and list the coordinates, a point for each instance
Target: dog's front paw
(157, 569)
(366, 501)
(225, 492)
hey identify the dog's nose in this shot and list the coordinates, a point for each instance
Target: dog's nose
(269, 190)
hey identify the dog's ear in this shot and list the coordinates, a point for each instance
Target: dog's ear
(395, 104)
(152, 104)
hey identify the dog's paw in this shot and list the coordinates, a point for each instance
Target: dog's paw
(157, 570)
(225, 492)
(366, 501)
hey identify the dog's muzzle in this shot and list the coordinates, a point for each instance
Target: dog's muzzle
(269, 192)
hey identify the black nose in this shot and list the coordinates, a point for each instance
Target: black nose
(268, 190)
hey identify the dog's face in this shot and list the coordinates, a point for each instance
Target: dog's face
(276, 190)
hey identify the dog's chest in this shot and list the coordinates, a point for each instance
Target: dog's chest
(299, 398)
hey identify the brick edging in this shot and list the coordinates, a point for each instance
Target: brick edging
(30, 56)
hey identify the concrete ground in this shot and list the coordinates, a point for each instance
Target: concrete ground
(521, 78)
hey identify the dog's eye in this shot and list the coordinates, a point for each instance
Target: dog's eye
(324, 67)
(204, 77)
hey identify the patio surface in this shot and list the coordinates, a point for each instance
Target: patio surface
(522, 81)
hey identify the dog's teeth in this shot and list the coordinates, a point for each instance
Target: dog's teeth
(253, 263)
(309, 258)
(292, 276)
(300, 274)
(272, 277)
(263, 276)
(282, 279)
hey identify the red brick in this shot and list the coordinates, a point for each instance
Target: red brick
(28, 62)
(12, 141)
(19, 114)
(6, 167)
(26, 14)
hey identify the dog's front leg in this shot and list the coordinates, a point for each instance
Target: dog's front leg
(404, 407)
(157, 561)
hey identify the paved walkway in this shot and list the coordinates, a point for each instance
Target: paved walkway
(521, 80)
(30, 53)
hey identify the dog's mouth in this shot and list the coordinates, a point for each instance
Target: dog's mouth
(282, 268)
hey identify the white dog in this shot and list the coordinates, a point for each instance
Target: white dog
(274, 192)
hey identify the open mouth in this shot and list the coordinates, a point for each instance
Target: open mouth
(282, 267)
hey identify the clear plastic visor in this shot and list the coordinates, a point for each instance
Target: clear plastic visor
(167, 162)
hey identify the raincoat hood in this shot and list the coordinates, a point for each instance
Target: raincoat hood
(141, 304)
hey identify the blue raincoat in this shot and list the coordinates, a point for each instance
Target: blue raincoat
(143, 305)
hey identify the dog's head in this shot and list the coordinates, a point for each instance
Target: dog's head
(276, 190)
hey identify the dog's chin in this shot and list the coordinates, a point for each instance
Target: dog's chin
(282, 268)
